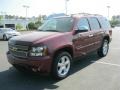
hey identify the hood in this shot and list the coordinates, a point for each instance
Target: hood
(32, 37)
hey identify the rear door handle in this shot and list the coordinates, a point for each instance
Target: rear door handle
(91, 35)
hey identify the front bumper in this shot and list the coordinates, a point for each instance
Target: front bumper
(36, 64)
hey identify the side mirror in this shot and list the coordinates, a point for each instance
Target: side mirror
(82, 29)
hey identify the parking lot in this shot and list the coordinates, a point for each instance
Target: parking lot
(90, 73)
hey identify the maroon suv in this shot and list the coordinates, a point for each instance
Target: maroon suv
(58, 42)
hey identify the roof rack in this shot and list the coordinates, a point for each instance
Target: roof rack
(85, 14)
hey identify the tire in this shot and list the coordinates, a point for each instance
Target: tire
(103, 50)
(4, 37)
(61, 65)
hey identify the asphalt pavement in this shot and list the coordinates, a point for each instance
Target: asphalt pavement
(89, 73)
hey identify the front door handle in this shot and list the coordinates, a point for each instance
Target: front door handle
(91, 35)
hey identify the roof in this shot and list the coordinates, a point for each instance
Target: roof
(78, 15)
(85, 15)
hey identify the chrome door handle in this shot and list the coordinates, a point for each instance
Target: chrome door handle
(91, 35)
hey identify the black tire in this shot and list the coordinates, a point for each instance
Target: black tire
(56, 68)
(101, 51)
(4, 37)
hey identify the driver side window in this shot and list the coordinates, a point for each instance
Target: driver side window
(83, 23)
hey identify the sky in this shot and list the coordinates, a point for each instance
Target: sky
(47, 7)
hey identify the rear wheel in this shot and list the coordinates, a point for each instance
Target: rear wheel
(104, 48)
(61, 65)
(4, 37)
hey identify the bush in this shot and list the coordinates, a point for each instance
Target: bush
(114, 23)
(19, 27)
(31, 26)
(35, 25)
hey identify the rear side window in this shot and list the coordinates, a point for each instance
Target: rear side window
(104, 23)
(94, 24)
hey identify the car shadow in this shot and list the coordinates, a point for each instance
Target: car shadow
(11, 79)
(84, 62)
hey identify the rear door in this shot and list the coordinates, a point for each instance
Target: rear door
(96, 33)
(82, 40)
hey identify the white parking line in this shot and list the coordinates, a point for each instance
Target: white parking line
(115, 48)
(111, 64)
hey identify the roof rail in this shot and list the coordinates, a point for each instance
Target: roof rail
(85, 14)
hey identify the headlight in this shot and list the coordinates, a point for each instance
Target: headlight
(38, 51)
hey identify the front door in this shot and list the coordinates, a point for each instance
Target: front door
(82, 40)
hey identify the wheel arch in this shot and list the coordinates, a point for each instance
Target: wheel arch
(68, 49)
(107, 38)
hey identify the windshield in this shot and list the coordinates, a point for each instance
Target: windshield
(57, 25)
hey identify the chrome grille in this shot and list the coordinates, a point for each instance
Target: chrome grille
(19, 50)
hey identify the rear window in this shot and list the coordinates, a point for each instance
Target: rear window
(104, 23)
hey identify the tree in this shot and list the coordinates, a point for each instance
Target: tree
(1, 18)
(114, 22)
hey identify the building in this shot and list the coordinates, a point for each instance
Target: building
(12, 23)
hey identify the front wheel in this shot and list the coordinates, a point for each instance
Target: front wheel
(104, 48)
(61, 65)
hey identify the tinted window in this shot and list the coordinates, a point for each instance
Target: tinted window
(83, 22)
(104, 23)
(94, 23)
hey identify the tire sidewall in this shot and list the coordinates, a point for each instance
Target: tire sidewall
(4, 37)
(55, 63)
(107, 47)
(100, 50)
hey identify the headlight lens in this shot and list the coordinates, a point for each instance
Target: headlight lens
(38, 51)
